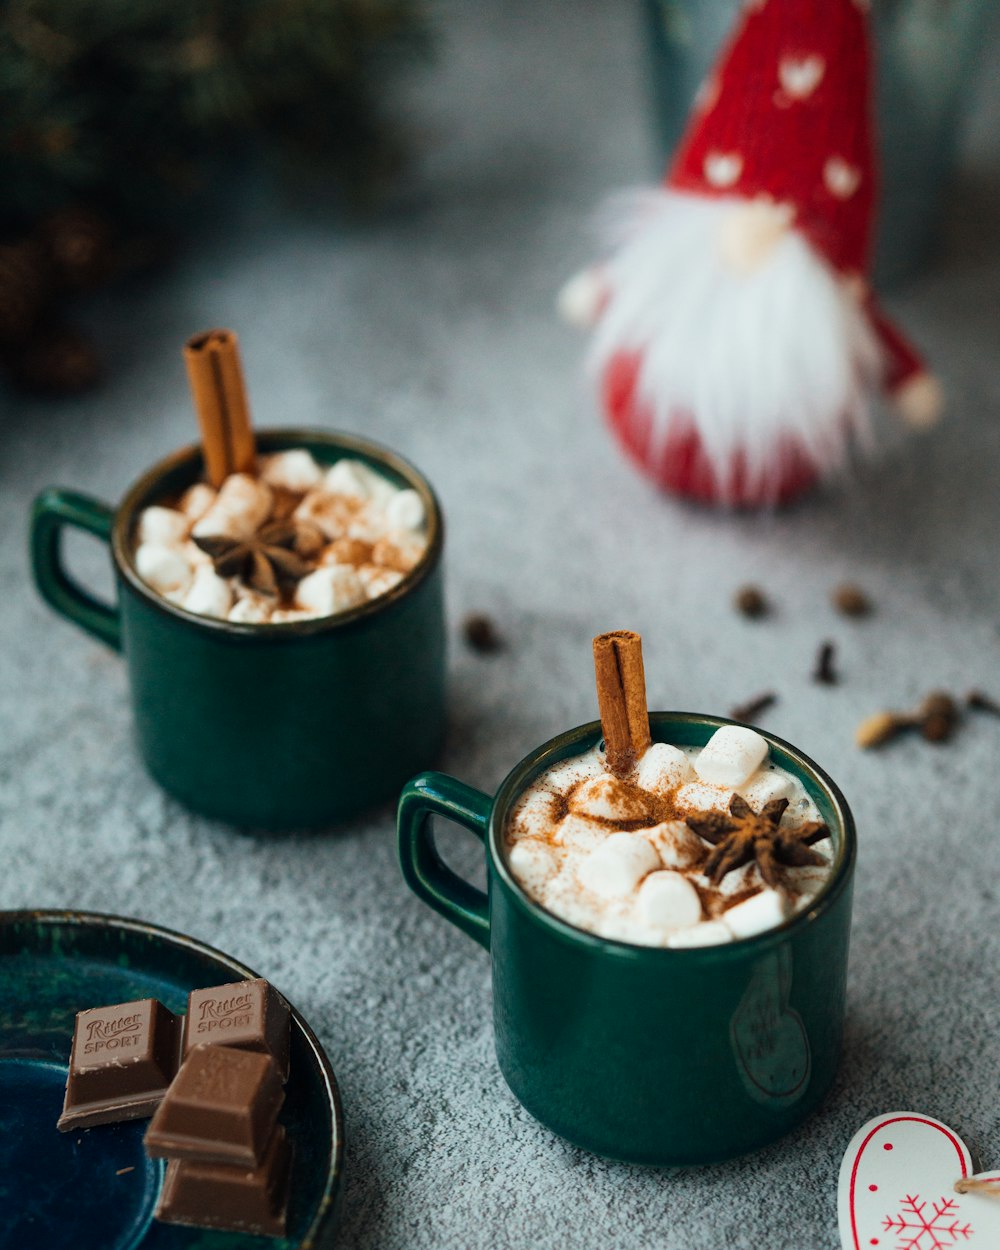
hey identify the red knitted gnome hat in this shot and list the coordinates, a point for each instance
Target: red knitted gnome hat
(736, 343)
(787, 114)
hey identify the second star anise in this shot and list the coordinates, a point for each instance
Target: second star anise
(744, 835)
(267, 562)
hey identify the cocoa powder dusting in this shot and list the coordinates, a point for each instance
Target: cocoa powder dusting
(741, 896)
(350, 551)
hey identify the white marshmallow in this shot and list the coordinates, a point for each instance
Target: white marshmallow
(606, 798)
(162, 525)
(617, 866)
(281, 616)
(294, 470)
(245, 496)
(764, 911)
(377, 581)
(711, 933)
(331, 588)
(533, 862)
(766, 785)
(564, 898)
(250, 610)
(563, 776)
(343, 478)
(695, 796)
(731, 756)
(209, 594)
(803, 884)
(534, 815)
(240, 508)
(331, 515)
(737, 881)
(194, 555)
(356, 480)
(668, 901)
(162, 568)
(405, 511)
(579, 834)
(403, 553)
(369, 525)
(676, 844)
(662, 768)
(825, 848)
(197, 500)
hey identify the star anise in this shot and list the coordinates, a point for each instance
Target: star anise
(267, 562)
(746, 835)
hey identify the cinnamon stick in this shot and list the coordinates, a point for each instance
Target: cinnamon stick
(621, 697)
(989, 1185)
(216, 376)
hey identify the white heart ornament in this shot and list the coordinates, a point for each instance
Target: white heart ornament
(841, 179)
(897, 1189)
(722, 169)
(800, 75)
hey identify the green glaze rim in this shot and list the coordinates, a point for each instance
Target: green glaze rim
(585, 736)
(326, 1214)
(144, 488)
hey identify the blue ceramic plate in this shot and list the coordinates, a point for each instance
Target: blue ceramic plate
(94, 1189)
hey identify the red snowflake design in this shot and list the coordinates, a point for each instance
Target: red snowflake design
(920, 1229)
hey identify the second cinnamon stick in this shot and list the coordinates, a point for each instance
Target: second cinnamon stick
(621, 697)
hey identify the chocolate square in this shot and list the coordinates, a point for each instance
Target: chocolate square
(212, 1195)
(249, 1015)
(122, 1060)
(221, 1108)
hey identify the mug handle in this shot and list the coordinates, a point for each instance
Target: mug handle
(52, 511)
(425, 872)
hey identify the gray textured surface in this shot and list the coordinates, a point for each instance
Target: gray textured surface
(432, 330)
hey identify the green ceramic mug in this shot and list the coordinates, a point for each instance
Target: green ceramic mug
(648, 1055)
(269, 726)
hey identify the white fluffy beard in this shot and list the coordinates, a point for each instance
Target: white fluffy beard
(754, 360)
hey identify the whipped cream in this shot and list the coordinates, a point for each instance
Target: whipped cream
(357, 536)
(617, 858)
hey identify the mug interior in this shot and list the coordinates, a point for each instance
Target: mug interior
(173, 475)
(682, 729)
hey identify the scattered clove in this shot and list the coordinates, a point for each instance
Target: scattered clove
(824, 671)
(481, 634)
(851, 600)
(980, 702)
(751, 601)
(749, 711)
(937, 716)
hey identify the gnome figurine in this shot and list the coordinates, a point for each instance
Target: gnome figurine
(736, 341)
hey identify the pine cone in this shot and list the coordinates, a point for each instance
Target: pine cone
(24, 289)
(56, 361)
(78, 246)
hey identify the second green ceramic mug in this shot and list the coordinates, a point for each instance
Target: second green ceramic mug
(266, 726)
(643, 1054)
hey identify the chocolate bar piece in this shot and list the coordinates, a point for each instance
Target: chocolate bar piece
(250, 1015)
(221, 1108)
(211, 1195)
(122, 1060)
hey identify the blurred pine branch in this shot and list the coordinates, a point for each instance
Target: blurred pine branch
(117, 103)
